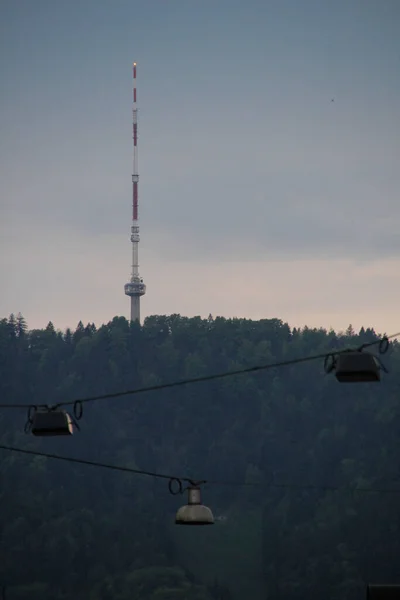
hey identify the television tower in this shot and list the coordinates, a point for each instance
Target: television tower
(135, 288)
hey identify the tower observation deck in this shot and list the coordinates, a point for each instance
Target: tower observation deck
(135, 288)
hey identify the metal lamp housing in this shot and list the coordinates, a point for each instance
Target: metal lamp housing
(356, 367)
(51, 423)
(194, 512)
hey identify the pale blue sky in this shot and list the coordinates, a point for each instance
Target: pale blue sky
(259, 196)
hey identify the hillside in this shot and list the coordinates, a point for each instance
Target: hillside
(74, 531)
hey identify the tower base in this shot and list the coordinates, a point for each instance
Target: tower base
(135, 308)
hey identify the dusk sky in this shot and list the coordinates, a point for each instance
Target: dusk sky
(269, 159)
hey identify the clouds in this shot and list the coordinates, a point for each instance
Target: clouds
(64, 277)
(280, 195)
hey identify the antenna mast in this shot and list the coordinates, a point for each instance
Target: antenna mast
(135, 288)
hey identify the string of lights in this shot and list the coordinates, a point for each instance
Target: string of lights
(175, 484)
(350, 365)
(327, 356)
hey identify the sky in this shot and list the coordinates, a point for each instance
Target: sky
(269, 153)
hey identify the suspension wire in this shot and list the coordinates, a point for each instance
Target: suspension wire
(382, 342)
(178, 480)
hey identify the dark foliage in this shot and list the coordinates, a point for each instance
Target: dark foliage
(70, 531)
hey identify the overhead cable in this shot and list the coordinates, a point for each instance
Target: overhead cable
(175, 482)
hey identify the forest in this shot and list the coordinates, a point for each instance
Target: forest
(303, 470)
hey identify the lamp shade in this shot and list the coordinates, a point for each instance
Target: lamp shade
(194, 512)
(355, 367)
(51, 423)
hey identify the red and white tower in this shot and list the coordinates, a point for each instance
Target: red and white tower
(135, 288)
